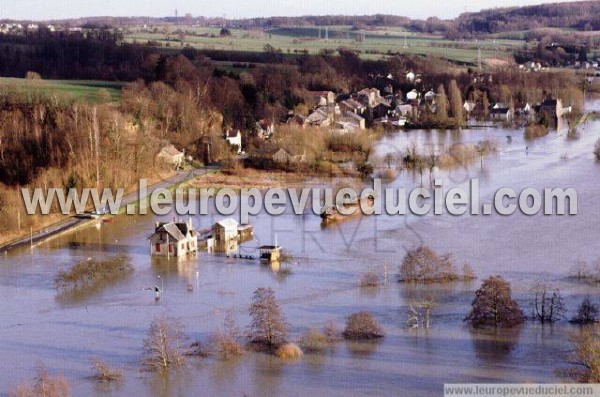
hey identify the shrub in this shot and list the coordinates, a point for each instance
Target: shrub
(45, 385)
(331, 334)
(581, 271)
(535, 131)
(32, 75)
(88, 274)
(362, 326)
(423, 265)
(104, 373)
(225, 346)
(586, 356)
(369, 279)
(493, 305)
(587, 313)
(597, 150)
(313, 341)
(289, 351)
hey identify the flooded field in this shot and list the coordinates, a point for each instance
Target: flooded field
(65, 331)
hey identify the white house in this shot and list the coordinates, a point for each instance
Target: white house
(234, 138)
(412, 95)
(429, 95)
(176, 239)
(172, 156)
(410, 77)
(469, 106)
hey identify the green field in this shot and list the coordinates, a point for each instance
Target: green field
(78, 90)
(372, 43)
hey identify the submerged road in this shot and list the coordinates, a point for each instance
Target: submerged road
(72, 222)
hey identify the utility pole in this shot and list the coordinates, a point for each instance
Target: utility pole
(168, 248)
(96, 145)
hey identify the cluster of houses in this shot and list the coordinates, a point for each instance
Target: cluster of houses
(351, 112)
(180, 240)
(15, 27)
(550, 109)
(346, 113)
(533, 66)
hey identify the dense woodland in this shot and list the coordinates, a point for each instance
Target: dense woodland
(581, 15)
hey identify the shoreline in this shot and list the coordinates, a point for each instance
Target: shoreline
(70, 223)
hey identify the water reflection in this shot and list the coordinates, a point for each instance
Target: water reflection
(362, 349)
(494, 346)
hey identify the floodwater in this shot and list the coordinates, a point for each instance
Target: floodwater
(321, 284)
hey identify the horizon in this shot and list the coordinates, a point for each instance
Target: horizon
(68, 9)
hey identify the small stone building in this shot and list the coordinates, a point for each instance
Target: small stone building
(177, 239)
(225, 235)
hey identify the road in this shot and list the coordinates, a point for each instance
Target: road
(73, 222)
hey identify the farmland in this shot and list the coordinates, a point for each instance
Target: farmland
(371, 43)
(78, 90)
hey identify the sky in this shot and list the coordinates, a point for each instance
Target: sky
(58, 9)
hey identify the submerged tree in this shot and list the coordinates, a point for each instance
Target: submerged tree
(225, 342)
(361, 326)
(494, 306)
(587, 313)
(586, 356)
(423, 265)
(45, 385)
(269, 327)
(164, 344)
(548, 307)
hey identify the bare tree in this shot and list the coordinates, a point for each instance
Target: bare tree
(587, 313)
(330, 332)
(164, 344)
(580, 271)
(225, 342)
(586, 356)
(269, 327)
(369, 280)
(104, 373)
(548, 307)
(45, 385)
(423, 265)
(494, 306)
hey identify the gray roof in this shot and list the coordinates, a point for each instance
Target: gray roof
(177, 231)
(228, 223)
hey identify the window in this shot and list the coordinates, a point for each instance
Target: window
(157, 247)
